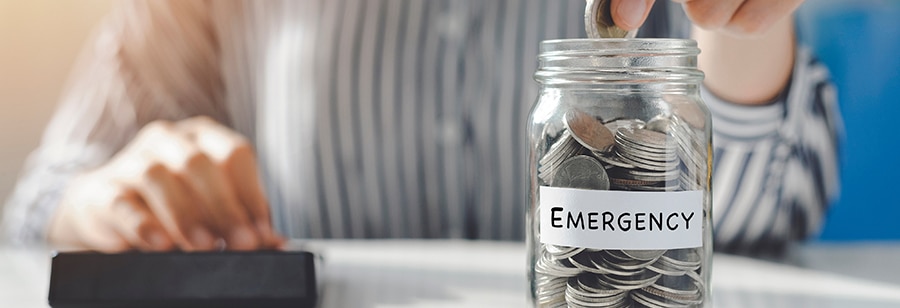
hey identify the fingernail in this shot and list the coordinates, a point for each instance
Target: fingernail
(202, 239)
(630, 13)
(158, 241)
(242, 238)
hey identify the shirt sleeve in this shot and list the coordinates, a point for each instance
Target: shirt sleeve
(775, 168)
(148, 60)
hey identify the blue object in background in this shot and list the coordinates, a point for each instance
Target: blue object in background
(859, 41)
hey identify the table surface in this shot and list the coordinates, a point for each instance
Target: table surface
(404, 273)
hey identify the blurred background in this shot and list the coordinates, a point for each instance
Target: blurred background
(39, 41)
(859, 40)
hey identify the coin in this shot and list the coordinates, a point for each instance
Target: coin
(562, 252)
(589, 131)
(644, 254)
(660, 124)
(581, 171)
(598, 21)
(644, 137)
(564, 147)
(613, 160)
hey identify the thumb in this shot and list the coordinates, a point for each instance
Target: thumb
(630, 14)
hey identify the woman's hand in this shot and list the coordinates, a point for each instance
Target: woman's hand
(189, 185)
(736, 17)
(748, 45)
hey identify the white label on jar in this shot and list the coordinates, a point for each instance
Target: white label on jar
(606, 219)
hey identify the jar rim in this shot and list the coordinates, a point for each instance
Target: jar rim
(607, 46)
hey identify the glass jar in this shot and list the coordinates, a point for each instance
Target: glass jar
(619, 184)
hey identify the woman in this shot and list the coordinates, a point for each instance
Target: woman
(389, 118)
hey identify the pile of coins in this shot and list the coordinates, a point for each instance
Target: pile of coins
(579, 277)
(661, 154)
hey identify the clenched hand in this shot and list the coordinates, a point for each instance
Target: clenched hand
(189, 185)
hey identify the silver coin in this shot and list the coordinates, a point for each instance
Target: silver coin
(689, 258)
(639, 145)
(562, 252)
(613, 160)
(598, 21)
(589, 131)
(661, 123)
(681, 288)
(654, 179)
(646, 157)
(625, 263)
(617, 123)
(637, 153)
(591, 284)
(585, 263)
(666, 269)
(588, 291)
(551, 286)
(581, 171)
(649, 300)
(548, 265)
(671, 268)
(630, 182)
(644, 137)
(566, 146)
(671, 174)
(634, 282)
(618, 267)
(644, 255)
(655, 166)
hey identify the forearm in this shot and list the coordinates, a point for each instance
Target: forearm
(747, 70)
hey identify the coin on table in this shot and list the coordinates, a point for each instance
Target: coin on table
(589, 131)
(581, 171)
(598, 21)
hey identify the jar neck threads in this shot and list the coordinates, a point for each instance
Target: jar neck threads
(587, 62)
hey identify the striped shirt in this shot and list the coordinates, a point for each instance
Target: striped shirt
(400, 118)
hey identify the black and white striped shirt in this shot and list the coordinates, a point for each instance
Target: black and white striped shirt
(401, 118)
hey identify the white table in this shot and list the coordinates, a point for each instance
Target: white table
(492, 274)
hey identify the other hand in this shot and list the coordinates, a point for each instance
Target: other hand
(189, 185)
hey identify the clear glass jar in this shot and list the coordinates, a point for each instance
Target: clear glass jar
(619, 184)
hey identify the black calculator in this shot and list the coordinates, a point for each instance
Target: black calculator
(260, 279)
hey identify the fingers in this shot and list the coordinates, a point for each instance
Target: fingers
(213, 192)
(711, 14)
(172, 202)
(137, 225)
(739, 17)
(234, 156)
(91, 232)
(630, 14)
